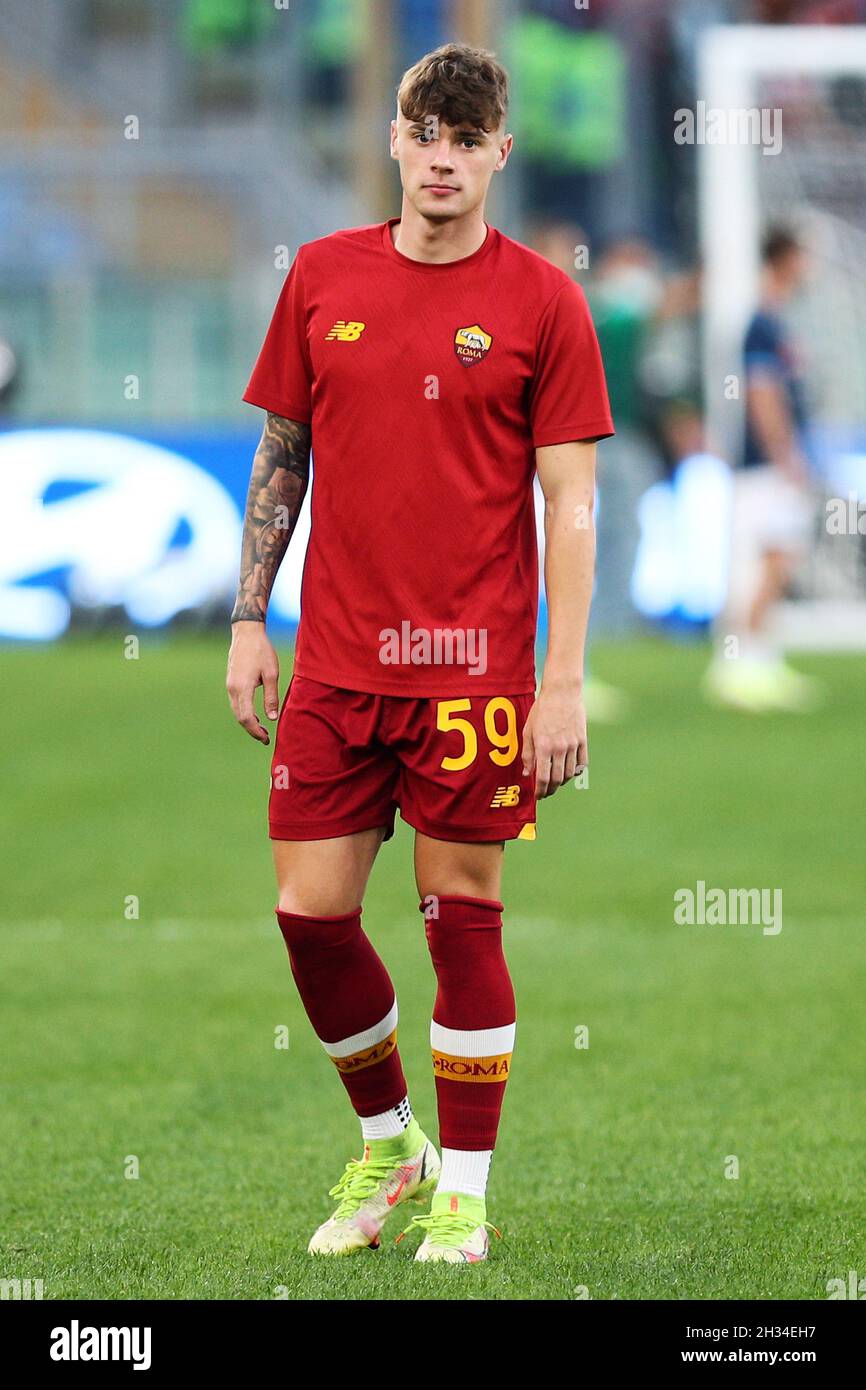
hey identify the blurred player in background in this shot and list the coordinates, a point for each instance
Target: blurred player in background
(435, 365)
(773, 509)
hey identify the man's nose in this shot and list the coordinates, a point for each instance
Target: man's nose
(441, 156)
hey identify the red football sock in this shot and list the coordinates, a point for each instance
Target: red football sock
(472, 1033)
(350, 1001)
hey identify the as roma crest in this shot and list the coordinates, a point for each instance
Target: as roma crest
(471, 344)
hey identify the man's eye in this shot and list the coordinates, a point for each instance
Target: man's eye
(470, 141)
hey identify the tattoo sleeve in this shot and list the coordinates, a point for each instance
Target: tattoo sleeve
(281, 472)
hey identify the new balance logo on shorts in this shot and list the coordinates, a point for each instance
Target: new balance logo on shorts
(506, 796)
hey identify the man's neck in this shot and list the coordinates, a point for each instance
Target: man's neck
(438, 242)
(774, 294)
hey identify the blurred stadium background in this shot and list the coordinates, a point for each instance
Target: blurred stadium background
(160, 162)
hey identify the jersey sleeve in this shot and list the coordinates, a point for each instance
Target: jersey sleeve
(761, 347)
(282, 377)
(569, 398)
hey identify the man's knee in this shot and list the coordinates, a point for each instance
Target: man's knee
(324, 878)
(304, 899)
(465, 870)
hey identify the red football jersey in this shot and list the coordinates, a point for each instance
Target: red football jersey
(428, 388)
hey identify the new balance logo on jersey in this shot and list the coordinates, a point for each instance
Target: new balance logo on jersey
(505, 796)
(345, 331)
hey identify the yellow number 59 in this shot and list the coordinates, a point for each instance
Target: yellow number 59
(504, 748)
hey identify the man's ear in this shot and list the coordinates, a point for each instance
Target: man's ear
(504, 152)
(393, 139)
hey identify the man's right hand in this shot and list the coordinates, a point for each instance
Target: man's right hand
(252, 662)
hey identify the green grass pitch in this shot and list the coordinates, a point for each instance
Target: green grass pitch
(153, 1039)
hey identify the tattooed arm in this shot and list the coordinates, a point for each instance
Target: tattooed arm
(280, 474)
(281, 471)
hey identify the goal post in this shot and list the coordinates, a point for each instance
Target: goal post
(800, 71)
(781, 135)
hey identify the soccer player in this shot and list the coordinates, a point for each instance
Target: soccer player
(433, 365)
(772, 507)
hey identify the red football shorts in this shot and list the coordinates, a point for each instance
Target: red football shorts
(344, 761)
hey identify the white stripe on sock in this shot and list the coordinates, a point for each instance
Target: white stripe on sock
(359, 1041)
(480, 1042)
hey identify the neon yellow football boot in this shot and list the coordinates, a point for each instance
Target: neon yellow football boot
(392, 1171)
(455, 1230)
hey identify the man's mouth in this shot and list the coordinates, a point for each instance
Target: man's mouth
(440, 187)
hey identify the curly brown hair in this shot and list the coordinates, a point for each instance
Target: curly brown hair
(459, 84)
